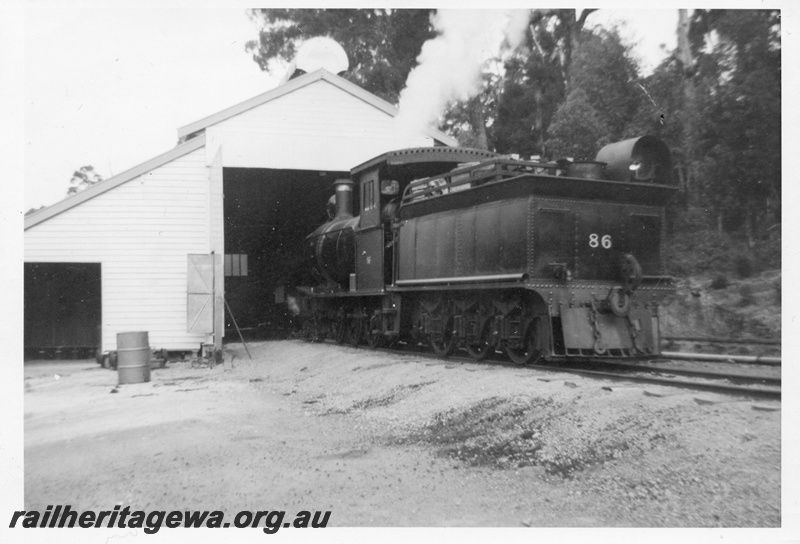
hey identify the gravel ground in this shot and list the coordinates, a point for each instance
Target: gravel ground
(398, 440)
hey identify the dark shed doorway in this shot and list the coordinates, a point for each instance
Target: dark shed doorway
(268, 214)
(62, 310)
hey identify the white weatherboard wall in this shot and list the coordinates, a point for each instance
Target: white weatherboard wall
(316, 127)
(141, 232)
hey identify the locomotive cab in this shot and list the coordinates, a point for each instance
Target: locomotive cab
(382, 181)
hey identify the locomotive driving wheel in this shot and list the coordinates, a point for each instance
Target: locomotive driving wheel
(482, 346)
(309, 331)
(444, 343)
(354, 330)
(528, 351)
(375, 338)
(339, 328)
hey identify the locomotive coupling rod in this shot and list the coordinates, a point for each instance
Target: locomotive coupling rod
(756, 360)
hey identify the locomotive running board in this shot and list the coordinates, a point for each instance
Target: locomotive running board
(499, 278)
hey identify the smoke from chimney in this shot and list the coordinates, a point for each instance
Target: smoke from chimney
(450, 65)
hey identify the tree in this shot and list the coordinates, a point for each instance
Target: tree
(605, 71)
(529, 94)
(688, 63)
(564, 28)
(83, 178)
(519, 99)
(577, 130)
(536, 96)
(536, 81)
(470, 121)
(384, 46)
(660, 112)
(381, 44)
(739, 102)
(466, 122)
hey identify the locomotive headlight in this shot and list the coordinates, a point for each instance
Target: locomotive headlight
(642, 168)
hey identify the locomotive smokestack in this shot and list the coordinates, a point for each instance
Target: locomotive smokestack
(344, 198)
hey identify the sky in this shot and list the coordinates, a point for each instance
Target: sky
(110, 86)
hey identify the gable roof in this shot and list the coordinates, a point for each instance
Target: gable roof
(192, 137)
(187, 131)
(106, 185)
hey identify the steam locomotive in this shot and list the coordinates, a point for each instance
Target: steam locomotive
(466, 249)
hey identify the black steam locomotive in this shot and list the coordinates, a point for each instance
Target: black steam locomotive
(466, 249)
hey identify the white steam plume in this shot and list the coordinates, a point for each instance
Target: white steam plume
(450, 65)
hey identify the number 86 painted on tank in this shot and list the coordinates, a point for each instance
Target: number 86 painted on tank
(596, 241)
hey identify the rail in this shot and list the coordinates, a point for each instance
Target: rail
(716, 357)
(752, 341)
(769, 388)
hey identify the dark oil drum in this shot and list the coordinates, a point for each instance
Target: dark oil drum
(133, 357)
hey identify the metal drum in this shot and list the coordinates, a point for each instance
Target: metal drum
(133, 357)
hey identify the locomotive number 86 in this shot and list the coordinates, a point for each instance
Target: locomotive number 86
(465, 249)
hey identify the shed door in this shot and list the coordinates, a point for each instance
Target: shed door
(62, 305)
(200, 294)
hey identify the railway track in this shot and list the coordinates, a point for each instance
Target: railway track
(656, 372)
(767, 387)
(661, 368)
